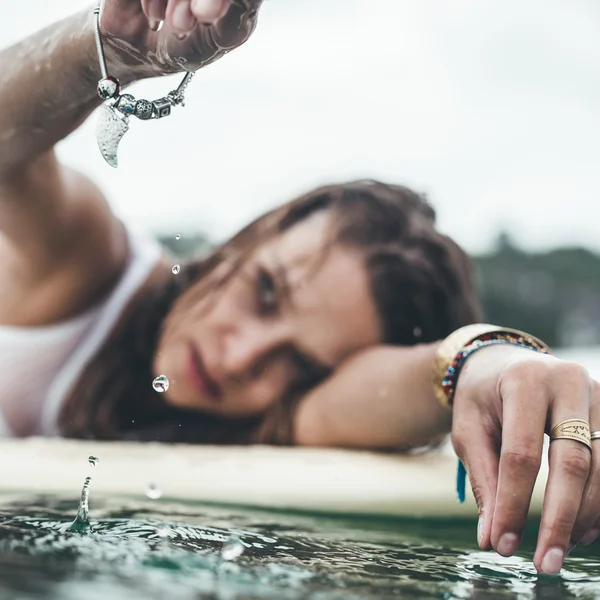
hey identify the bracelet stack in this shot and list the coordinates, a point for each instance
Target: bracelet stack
(457, 347)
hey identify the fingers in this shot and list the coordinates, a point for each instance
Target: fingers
(209, 11)
(524, 420)
(589, 511)
(569, 463)
(180, 17)
(155, 11)
(183, 15)
(475, 447)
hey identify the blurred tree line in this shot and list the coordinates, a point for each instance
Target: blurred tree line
(554, 295)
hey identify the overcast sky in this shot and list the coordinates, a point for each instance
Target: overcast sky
(490, 107)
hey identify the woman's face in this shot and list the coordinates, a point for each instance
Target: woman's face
(295, 310)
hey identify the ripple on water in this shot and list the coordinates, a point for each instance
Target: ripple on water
(172, 550)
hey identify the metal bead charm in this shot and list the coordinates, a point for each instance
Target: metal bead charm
(109, 87)
(162, 107)
(126, 104)
(176, 98)
(144, 110)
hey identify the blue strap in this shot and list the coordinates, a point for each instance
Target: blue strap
(461, 481)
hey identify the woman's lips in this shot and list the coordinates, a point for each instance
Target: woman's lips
(199, 378)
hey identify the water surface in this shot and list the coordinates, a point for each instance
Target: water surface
(163, 549)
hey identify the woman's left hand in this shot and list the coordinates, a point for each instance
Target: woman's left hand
(195, 32)
(506, 398)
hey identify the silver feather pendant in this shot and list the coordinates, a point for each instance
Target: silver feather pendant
(110, 129)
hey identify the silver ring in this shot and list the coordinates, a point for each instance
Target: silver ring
(595, 435)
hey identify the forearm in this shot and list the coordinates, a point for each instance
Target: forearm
(48, 88)
(382, 398)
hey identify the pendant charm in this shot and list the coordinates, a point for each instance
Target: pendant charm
(110, 129)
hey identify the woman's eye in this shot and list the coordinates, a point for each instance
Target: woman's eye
(267, 292)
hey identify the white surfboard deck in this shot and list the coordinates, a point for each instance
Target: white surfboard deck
(306, 479)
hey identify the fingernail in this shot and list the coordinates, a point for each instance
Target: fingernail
(154, 24)
(480, 531)
(155, 13)
(183, 19)
(507, 544)
(553, 560)
(182, 36)
(589, 537)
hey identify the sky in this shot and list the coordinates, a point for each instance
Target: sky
(491, 108)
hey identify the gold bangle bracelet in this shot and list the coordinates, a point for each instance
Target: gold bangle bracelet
(459, 339)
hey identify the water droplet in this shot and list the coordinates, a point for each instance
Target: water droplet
(153, 491)
(177, 237)
(93, 460)
(417, 332)
(232, 549)
(160, 384)
(175, 270)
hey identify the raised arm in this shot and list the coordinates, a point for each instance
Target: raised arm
(48, 88)
(56, 229)
(48, 81)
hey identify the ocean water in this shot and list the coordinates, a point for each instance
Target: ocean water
(147, 550)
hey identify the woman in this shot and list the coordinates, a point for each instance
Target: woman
(317, 324)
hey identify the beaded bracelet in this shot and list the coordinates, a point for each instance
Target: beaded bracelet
(490, 339)
(113, 122)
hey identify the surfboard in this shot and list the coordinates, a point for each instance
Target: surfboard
(322, 480)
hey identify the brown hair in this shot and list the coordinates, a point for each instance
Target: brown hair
(420, 280)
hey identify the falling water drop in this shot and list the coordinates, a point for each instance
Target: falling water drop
(93, 460)
(232, 549)
(177, 237)
(160, 384)
(175, 270)
(81, 524)
(153, 491)
(417, 332)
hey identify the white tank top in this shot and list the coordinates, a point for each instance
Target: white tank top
(39, 365)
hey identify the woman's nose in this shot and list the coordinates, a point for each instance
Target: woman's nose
(247, 352)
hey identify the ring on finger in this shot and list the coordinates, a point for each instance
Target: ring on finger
(595, 435)
(573, 429)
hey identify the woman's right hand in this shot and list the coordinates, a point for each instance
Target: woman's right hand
(506, 398)
(195, 32)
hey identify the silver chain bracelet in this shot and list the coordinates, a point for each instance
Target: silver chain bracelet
(113, 123)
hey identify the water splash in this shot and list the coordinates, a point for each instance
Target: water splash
(163, 532)
(160, 384)
(93, 460)
(232, 549)
(81, 524)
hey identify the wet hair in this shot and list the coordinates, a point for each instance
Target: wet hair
(420, 280)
